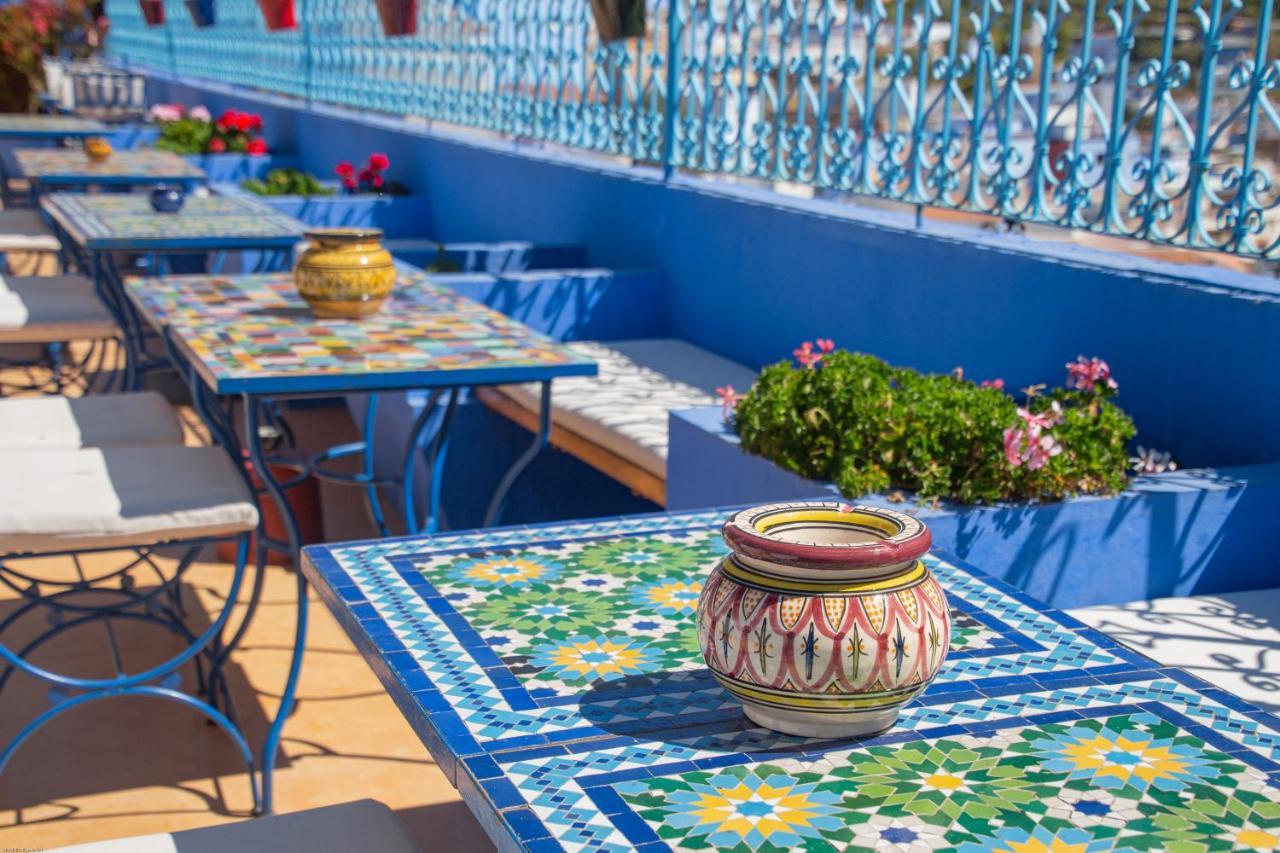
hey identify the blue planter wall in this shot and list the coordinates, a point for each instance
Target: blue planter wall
(750, 273)
(397, 216)
(1181, 533)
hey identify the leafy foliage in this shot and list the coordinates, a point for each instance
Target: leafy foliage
(196, 132)
(287, 182)
(33, 29)
(867, 426)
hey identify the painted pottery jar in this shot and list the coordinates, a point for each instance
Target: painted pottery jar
(824, 621)
(345, 272)
(96, 148)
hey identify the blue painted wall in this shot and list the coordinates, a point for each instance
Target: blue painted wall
(750, 273)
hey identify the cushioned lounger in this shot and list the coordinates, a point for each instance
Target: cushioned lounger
(25, 231)
(97, 420)
(78, 500)
(624, 408)
(1231, 640)
(51, 309)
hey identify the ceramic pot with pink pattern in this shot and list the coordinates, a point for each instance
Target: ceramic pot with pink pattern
(824, 621)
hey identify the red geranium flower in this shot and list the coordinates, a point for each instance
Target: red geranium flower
(255, 148)
(344, 169)
(349, 182)
(217, 146)
(365, 175)
(379, 162)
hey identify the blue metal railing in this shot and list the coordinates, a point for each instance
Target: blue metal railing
(1121, 117)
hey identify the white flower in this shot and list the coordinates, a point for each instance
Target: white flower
(1152, 461)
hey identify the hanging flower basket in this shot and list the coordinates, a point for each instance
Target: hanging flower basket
(202, 12)
(152, 12)
(399, 17)
(278, 14)
(618, 19)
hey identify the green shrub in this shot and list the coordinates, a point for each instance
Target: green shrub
(867, 426)
(287, 182)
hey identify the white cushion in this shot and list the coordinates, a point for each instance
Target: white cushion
(624, 408)
(25, 231)
(362, 825)
(119, 497)
(49, 309)
(1231, 640)
(98, 420)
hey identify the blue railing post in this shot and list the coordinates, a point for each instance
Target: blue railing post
(671, 107)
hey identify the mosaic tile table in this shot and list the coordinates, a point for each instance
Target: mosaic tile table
(254, 334)
(553, 672)
(28, 126)
(127, 223)
(46, 167)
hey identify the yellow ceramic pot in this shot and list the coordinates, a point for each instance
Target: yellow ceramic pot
(96, 148)
(345, 272)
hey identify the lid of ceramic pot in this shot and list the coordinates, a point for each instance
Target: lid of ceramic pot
(826, 535)
(351, 235)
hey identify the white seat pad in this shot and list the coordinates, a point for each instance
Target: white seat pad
(25, 231)
(361, 825)
(624, 408)
(119, 497)
(1231, 640)
(62, 304)
(98, 420)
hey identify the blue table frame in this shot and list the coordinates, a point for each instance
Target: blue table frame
(68, 168)
(251, 340)
(1066, 737)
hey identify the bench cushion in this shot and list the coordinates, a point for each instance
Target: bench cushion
(50, 309)
(119, 498)
(624, 408)
(361, 825)
(25, 231)
(99, 420)
(1231, 640)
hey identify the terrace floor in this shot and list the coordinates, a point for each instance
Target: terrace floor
(98, 773)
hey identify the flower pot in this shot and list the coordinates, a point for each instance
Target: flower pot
(303, 498)
(823, 621)
(152, 12)
(399, 17)
(345, 272)
(618, 19)
(278, 14)
(202, 12)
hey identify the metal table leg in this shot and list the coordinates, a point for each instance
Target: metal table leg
(499, 500)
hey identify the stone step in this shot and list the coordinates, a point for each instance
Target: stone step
(494, 258)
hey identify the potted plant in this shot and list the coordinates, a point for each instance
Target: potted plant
(399, 17)
(202, 12)
(278, 14)
(618, 19)
(289, 181)
(152, 12)
(361, 197)
(228, 148)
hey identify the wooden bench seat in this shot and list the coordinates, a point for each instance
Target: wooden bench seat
(616, 422)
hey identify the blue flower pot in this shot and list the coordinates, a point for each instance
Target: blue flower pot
(202, 12)
(167, 198)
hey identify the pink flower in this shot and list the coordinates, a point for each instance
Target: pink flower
(1042, 420)
(997, 384)
(1014, 440)
(1085, 374)
(1040, 452)
(806, 356)
(826, 345)
(728, 399)
(200, 113)
(166, 112)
